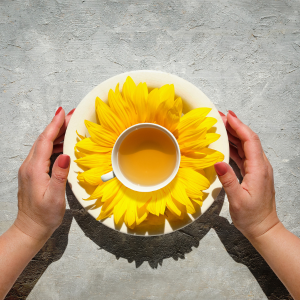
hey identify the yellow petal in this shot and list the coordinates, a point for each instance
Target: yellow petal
(94, 160)
(208, 123)
(193, 181)
(87, 145)
(128, 91)
(79, 154)
(163, 109)
(140, 101)
(89, 124)
(98, 192)
(178, 192)
(199, 144)
(167, 92)
(111, 202)
(108, 119)
(198, 201)
(172, 118)
(119, 209)
(191, 136)
(172, 207)
(120, 107)
(80, 136)
(93, 176)
(152, 204)
(201, 159)
(141, 215)
(192, 119)
(153, 101)
(111, 189)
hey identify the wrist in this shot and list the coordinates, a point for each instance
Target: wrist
(26, 240)
(274, 231)
(31, 228)
(259, 228)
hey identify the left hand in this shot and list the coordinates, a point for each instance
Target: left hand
(41, 199)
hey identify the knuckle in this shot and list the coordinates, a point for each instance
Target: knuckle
(59, 177)
(26, 171)
(254, 137)
(42, 137)
(21, 170)
(265, 171)
(229, 182)
(235, 208)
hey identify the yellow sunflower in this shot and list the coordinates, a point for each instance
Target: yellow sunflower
(135, 104)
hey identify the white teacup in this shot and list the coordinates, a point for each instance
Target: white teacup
(115, 162)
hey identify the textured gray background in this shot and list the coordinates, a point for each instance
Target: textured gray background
(244, 55)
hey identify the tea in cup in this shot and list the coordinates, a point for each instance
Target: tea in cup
(145, 157)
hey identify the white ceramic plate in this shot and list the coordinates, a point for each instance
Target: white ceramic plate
(192, 98)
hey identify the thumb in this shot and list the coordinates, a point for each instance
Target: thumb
(228, 179)
(60, 170)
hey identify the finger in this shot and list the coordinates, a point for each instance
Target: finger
(58, 148)
(251, 143)
(59, 139)
(44, 144)
(57, 184)
(237, 159)
(66, 123)
(224, 118)
(231, 130)
(237, 143)
(229, 181)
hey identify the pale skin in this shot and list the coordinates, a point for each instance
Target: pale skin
(41, 203)
(252, 204)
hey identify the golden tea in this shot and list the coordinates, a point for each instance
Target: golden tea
(147, 156)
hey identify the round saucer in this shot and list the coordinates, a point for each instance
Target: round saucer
(192, 98)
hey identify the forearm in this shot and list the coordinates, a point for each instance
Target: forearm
(16, 251)
(281, 250)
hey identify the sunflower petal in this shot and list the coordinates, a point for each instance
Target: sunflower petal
(80, 136)
(128, 91)
(87, 145)
(119, 107)
(193, 119)
(153, 101)
(193, 181)
(140, 100)
(172, 118)
(201, 159)
(172, 207)
(152, 204)
(93, 176)
(108, 119)
(120, 209)
(191, 136)
(195, 145)
(208, 123)
(94, 160)
(141, 215)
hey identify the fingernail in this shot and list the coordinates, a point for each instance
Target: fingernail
(71, 112)
(63, 161)
(58, 110)
(221, 168)
(232, 113)
(221, 113)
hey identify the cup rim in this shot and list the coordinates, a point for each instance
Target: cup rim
(118, 173)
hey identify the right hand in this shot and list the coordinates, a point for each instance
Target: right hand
(251, 203)
(41, 199)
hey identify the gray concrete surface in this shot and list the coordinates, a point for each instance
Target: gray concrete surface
(244, 55)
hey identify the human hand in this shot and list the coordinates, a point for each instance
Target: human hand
(251, 203)
(41, 199)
